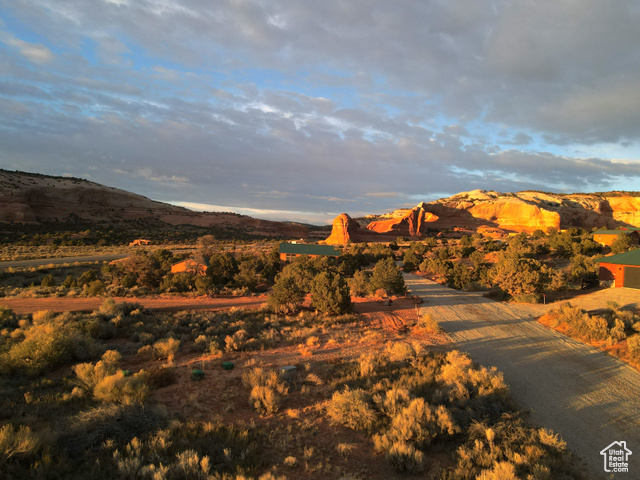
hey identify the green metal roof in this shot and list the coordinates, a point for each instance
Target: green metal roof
(613, 232)
(305, 249)
(631, 257)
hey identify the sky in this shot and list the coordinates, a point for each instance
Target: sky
(301, 110)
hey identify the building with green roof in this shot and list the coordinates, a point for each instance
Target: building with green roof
(288, 251)
(622, 270)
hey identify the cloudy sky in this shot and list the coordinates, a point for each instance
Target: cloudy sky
(293, 109)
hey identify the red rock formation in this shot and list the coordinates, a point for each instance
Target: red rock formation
(35, 198)
(412, 224)
(343, 230)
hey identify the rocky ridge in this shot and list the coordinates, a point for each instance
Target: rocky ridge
(36, 198)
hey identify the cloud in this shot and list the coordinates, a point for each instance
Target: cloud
(327, 106)
(33, 52)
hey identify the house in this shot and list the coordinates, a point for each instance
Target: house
(607, 237)
(140, 241)
(622, 270)
(190, 265)
(288, 251)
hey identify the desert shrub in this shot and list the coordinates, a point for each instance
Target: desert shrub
(161, 377)
(387, 276)
(266, 389)
(427, 322)
(89, 374)
(394, 401)
(22, 442)
(369, 363)
(330, 294)
(166, 349)
(95, 288)
(87, 430)
(50, 342)
(500, 471)
(7, 318)
(125, 390)
(108, 384)
(353, 409)
(417, 424)
(398, 351)
(633, 345)
(405, 458)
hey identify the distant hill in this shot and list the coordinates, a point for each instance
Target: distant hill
(34, 198)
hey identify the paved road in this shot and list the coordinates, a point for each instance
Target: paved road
(46, 261)
(590, 398)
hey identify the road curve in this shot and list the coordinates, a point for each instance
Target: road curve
(590, 398)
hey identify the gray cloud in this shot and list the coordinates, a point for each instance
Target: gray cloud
(317, 104)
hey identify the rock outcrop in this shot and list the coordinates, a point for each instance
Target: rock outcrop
(413, 223)
(344, 229)
(35, 198)
(494, 213)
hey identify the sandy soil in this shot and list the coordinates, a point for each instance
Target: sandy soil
(590, 398)
(72, 304)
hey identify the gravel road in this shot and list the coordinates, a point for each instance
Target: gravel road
(590, 398)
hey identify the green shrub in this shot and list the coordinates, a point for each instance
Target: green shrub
(95, 288)
(330, 294)
(287, 294)
(387, 276)
(353, 409)
(48, 281)
(359, 285)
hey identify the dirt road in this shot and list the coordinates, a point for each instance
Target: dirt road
(38, 262)
(71, 304)
(590, 398)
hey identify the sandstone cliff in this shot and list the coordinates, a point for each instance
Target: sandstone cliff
(413, 223)
(35, 198)
(529, 211)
